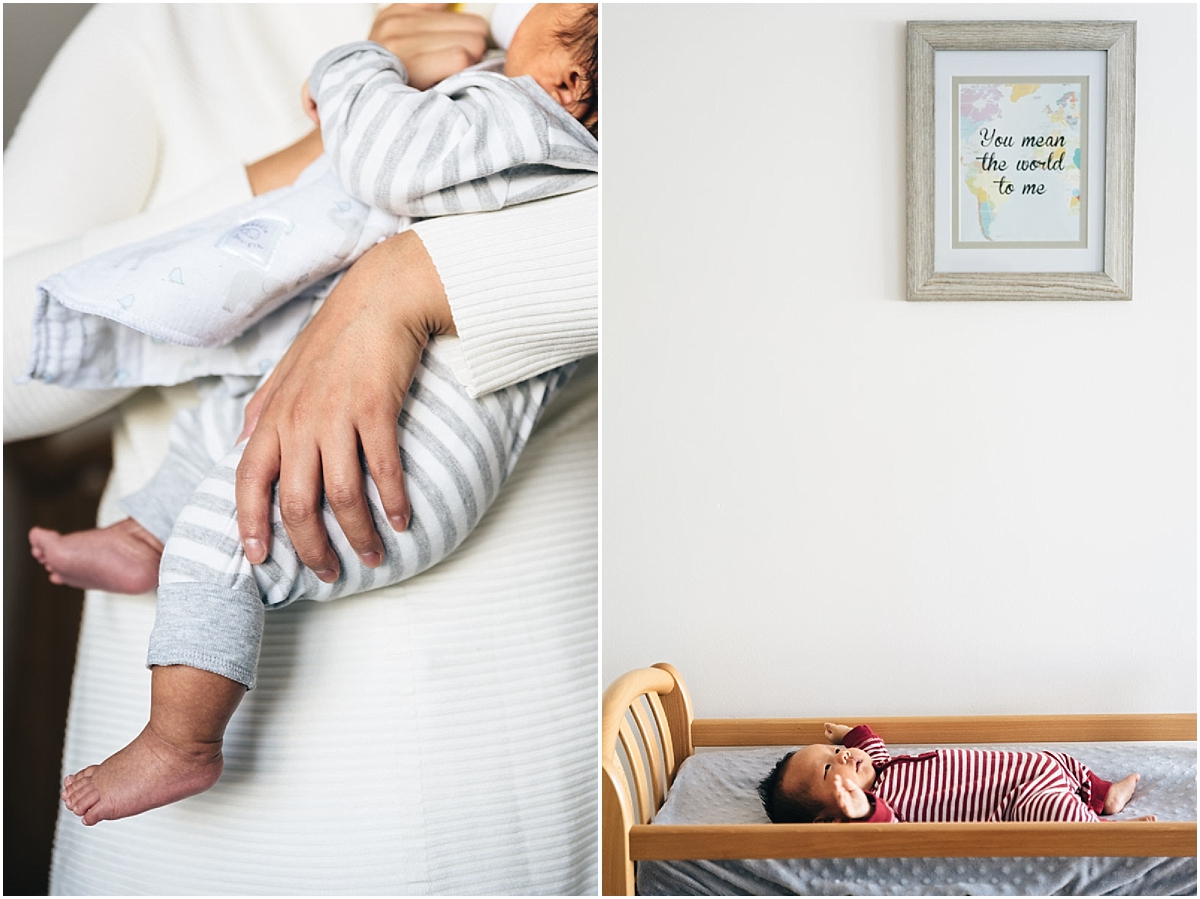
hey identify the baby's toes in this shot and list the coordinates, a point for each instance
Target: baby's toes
(94, 814)
(73, 795)
(76, 793)
(81, 774)
(85, 804)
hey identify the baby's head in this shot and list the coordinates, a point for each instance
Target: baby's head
(558, 45)
(800, 789)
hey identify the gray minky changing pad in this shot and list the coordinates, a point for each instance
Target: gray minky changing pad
(719, 787)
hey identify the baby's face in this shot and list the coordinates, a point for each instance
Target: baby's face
(812, 769)
(536, 51)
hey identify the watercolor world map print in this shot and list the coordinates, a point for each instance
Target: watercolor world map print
(1020, 162)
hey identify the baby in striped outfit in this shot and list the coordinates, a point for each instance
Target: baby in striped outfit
(456, 450)
(855, 778)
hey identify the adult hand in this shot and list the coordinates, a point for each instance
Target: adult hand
(338, 390)
(432, 42)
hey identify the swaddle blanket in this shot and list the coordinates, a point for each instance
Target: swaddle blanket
(136, 314)
(476, 141)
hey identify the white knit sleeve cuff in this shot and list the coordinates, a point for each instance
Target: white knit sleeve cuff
(522, 284)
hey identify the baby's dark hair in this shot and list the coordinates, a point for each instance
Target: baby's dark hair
(582, 38)
(780, 807)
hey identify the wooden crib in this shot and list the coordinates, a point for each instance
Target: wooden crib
(649, 730)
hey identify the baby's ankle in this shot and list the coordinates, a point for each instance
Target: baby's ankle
(197, 748)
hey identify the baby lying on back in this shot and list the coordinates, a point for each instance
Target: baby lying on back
(855, 778)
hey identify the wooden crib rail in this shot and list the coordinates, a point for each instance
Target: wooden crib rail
(976, 729)
(991, 840)
(646, 735)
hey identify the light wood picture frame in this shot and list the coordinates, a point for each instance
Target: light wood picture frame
(1097, 263)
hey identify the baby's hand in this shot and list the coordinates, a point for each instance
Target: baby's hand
(309, 105)
(835, 733)
(852, 801)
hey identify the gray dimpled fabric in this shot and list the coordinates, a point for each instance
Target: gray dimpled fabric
(719, 787)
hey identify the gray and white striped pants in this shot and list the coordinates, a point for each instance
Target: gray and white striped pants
(456, 452)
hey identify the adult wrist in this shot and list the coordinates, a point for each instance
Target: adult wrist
(400, 286)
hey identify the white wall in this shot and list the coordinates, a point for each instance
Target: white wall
(820, 499)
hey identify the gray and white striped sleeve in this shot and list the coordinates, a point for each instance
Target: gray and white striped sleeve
(474, 143)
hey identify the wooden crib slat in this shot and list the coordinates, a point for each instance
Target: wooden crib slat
(658, 784)
(637, 768)
(1001, 840)
(967, 729)
(678, 705)
(617, 871)
(621, 693)
(664, 732)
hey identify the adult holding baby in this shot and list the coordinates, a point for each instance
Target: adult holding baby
(453, 667)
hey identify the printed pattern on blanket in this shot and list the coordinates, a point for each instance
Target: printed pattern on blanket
(475, 142)
(129, 316)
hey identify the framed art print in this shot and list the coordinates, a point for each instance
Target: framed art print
(1020, 160)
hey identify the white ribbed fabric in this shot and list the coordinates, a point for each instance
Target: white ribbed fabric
(435, 737)
(482, 268)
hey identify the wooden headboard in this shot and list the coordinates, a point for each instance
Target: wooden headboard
(646, 735)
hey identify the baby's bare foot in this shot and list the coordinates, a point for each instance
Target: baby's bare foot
(146, 774)
(1120, 793)
(1145, 818)
(122, 558)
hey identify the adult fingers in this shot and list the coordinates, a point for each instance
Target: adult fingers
(421, 19)
(253, 410)
(394, 8)
(251, 413)
(382, 452)
(342, 472)
(406, 45)
(300, 509)
(256, 473)
(426, 69)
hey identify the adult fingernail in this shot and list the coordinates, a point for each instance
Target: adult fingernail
(255, 552)
(371, 560)
(399, 522)
(328, 575)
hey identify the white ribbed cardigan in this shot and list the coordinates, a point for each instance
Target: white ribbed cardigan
(434, 737)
